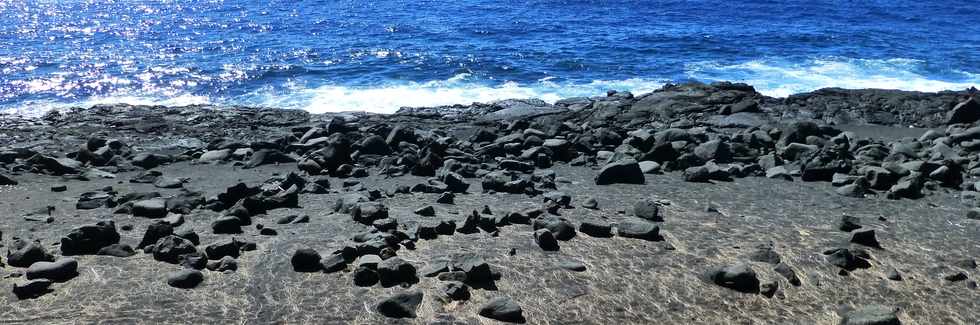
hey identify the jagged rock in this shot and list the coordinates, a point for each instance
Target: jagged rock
(967, 111)
(846, 259)
(455, 290)
(89, 239)
(625, 171)
(6, 180)
(865, 237)
(169, 249)
(154, 232)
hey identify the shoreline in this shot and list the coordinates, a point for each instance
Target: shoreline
(697, 203)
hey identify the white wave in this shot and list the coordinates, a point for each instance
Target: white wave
(455, 90)
(39, 108)
(780, 79)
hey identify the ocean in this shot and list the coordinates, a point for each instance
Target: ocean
(377, 56)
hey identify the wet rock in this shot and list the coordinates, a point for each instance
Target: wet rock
(89, 239)
(739, 277)
(63, 269)
(503, 309)
(649, 167)
(625, 171)
(221, 249)
(168, 182)
(185, 279)
(401, 305)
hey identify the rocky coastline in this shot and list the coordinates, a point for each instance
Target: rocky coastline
(696, 203)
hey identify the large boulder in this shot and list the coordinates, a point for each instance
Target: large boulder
(89, 239)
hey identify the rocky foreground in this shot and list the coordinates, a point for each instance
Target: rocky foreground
(692, 204)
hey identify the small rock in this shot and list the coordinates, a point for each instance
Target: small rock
(871, 315)
(647, 209)
(426, 211)
(545, 240)
(503, 309)
(32, 289)
(572, 265)
(866, 238)
(63, 269)
(849, 223)
(185, 279)
(306, 260)
(402, 305)
(739, 277)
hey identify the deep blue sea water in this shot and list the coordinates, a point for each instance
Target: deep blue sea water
(380, 55)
